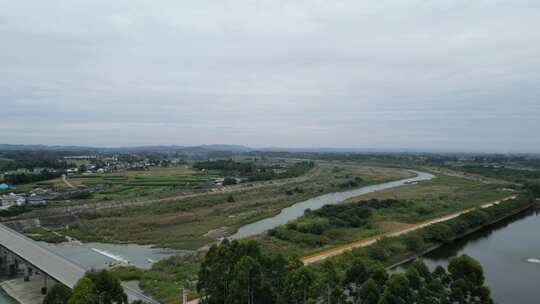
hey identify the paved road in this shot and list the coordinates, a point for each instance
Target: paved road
(369, 241)
(57, 267)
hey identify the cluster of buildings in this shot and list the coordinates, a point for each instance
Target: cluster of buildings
(37, 196)
(216, 181)
(89, 170)
(106, 164)
(25, 170)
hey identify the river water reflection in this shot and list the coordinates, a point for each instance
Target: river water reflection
(509, 253)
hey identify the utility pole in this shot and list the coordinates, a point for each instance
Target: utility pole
(184, 295)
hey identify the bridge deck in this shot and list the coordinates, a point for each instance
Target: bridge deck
(57, 267)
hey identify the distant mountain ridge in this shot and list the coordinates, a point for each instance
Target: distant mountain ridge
(153, 148)
(211, 148)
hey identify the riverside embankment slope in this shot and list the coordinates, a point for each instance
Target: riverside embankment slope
(317, 257)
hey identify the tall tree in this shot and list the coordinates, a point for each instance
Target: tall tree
(301, 285)
(108, 288)
(369, 293)
(331, 283)
(468, 279)
(84, 292)
(355, 276)
(220, 270)
(59, 294)
(247, 281)
(397, 291)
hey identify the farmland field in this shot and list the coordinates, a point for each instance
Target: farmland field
(140, 183)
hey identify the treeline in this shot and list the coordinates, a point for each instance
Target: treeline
(33, 159)
(16, 209)
(239, 273)
(228, 165)
(24, 178)
(251, 171)
(534, 188)
(502, 172)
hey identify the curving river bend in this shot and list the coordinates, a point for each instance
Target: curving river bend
(295, 211)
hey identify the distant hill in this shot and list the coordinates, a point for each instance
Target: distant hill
(8, 147)
(162, 149)
(217, 148)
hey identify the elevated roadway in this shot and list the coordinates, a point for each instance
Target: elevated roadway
(50, 263)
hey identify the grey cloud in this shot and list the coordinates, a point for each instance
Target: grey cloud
(447, 75)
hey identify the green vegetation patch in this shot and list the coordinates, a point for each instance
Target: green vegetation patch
(518, 175)
(166, 277)
(45, 235)
(375, 213)
(252, 171)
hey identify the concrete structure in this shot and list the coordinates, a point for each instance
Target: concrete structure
(25, 292)
(17, 250)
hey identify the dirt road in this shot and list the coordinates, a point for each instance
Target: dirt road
(64, 179)
(369, 241)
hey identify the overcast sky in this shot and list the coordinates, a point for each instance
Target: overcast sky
(405, 74)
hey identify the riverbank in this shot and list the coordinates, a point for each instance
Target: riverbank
(508, 251)
(391, 251)
(319, 256)
(462, 235)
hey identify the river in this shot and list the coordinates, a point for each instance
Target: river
(297, 210)
(509, 252)
(99, 255)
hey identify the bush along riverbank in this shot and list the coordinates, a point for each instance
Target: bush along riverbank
(393, 251)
